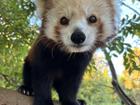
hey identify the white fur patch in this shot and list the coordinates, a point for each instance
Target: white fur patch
(89, 31)
(77, 11)
(40, 7)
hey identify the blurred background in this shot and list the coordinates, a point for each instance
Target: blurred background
(19, 27)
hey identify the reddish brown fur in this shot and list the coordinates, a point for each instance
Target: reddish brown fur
(57, 30)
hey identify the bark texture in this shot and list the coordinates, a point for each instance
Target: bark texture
(11, 97)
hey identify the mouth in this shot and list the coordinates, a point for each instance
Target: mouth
(78, 46)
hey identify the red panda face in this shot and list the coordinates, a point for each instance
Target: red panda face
(78, 25)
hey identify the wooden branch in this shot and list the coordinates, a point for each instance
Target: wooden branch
(11, 97)
(125, 99)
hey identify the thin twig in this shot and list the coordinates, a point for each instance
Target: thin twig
(131, 8)
(105, 86)
(5, 77)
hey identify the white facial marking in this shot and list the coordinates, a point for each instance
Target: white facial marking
(51, 23)
(83, 26)
(88, 30)
(78, 11)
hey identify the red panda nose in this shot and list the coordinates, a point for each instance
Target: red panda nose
(78, 37)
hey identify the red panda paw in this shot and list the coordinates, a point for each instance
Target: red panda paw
(82, 102)
(25, 91)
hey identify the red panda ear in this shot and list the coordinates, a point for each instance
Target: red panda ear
(42, 6)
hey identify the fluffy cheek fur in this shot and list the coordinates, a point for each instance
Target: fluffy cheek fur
(62, 34)
(89, 31)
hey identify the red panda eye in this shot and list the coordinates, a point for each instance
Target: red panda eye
(64, 21)
(92, 19)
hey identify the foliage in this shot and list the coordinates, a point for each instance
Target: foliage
(129, 27)
(16, 36)
(98, 91)
(131, 60)
(131, 81)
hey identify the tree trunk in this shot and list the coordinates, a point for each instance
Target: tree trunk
(11, 97)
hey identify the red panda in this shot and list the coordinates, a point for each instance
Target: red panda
(70, 33)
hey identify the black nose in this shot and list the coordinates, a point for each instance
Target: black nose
(78, 37)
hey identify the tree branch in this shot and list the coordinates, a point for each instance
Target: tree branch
(130, 8)
(125, 99)
(5, 77)
(10, 97)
